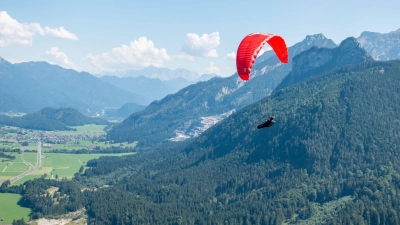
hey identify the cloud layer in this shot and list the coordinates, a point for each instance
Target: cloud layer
(213, 69)
(59, 58)
(138, 54)
(231, 56)
(203, 46)
(14, 33)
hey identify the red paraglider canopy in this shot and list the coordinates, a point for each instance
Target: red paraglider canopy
(250, 47)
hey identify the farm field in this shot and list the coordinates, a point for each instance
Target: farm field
(60, 164)
(63, 165)
(11, 168)
(90, 129)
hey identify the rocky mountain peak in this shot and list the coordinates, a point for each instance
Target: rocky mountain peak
(315, 37)
(349, 43)
(381, 46)
(318, 60)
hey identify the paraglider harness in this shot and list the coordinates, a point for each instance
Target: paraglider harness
(267, 123)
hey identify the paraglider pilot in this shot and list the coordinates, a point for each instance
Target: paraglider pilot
(267, 123)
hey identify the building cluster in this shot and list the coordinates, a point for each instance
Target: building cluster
(47, 138)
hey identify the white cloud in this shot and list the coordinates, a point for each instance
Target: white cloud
(14, 33)
(213, 69)
(59, 58)
(231, 56)
(138, 54)
(59, 33)
(203, 46)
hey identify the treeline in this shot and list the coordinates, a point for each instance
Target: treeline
(35, 123)
(4, 155)
(97, 150)
(10, 150)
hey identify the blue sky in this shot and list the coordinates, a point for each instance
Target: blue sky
(196, 35)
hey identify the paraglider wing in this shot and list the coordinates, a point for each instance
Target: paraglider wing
(251, 45)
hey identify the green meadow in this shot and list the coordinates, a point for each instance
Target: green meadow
(63, 165)
(10, 210)
(66, 165)
(11, 168)
(90, 129)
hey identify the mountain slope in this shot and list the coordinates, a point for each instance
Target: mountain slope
(332, 157)
(28, 87)
(197, 107)
(318, 60)
(381, 46)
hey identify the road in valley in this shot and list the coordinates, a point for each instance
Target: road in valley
(31, 168)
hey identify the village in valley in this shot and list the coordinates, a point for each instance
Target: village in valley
(89, 137)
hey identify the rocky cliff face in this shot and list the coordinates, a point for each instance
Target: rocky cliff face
(319, 60)
(381, 46)
(311, 40)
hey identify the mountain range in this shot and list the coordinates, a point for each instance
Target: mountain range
(318, 60)
(163, 74)
(31, 86)
(152, 88)
(192, 110)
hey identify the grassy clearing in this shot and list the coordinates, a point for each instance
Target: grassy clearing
(90, 129)
(12, 167)
(66, 165)
(17, 167)
(63, 165)
(10, 210)
(31, 157)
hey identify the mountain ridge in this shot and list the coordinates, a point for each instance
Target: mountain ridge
(31, 86)
(316, 60)
(161, 73)
(204, 104)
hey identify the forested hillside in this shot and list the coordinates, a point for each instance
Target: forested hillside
(51, 119)
(332, 157)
